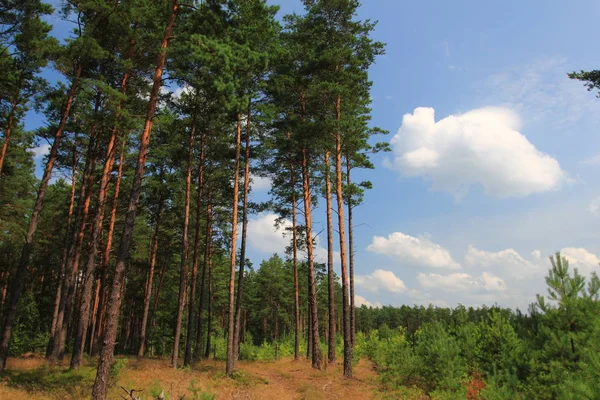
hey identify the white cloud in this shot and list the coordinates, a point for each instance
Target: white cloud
(462, 282)
(359, 301)
(507, 262)
(583, 260)
(536, 254)
(260, 183)
(264, 236)
(40, 151)
(482, 146)
(381, 280)
(418, 251)
(594, 207)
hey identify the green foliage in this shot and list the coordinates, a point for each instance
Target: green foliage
(116, 368)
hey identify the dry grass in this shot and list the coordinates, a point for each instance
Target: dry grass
(32, 378)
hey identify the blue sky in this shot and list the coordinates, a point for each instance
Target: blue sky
(471, 202)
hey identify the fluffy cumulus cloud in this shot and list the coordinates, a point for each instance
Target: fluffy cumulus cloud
(380, 280)
(462, 282)
(583, 260)
(265, 235)
(40, 151)
(506, 262)
(260, 183)
(418, 251)
(360, 301)
(483, 146)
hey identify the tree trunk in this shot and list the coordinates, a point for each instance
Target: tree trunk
(107, 251)
(342, 234)
(187, 360)
(65, 250)
(74, 256)
(314, 322)
(330, 272)
(100, 387)
(8, 131)
(295, 266)
(240, 288)
(153, 253)
(208, 241)
(230, 365)
(184, 248)
(351, 256)
(94, 241)
(19, 278)
(210, 300)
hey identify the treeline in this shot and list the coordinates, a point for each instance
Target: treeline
(160, 114)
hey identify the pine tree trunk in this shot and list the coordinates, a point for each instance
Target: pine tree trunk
(94, 241)
(208, 241)
(240, 288)
(187, 360)
(61, 274)
(230, 365)
(19, 278)
(107, 250)
(150, 278)
(342, 234)
(100, 387)
(74, 255)
(184, 249)
(351, 256)
(295, 266)
(314, 322)
(330, 272)
(8, 131)
(209, 307)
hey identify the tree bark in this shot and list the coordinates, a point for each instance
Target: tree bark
(342, 234)
(94, 241)
(150, 278)
(351, 256)
(107, 251)
(230, 365)
(74, 255)
(295, 266)
(100, 388)
(184, 248)
(208, 240)
(8, 131)
(210, 299)
(65, 250)
(187, 360)
(19, 278)
(240, 288)
(314, 321)
(330, 272)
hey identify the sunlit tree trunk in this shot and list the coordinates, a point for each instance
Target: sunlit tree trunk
(342, 234)
(330, 272)
(230, 365)
(185, 247)
(100, 387)
(240, 290)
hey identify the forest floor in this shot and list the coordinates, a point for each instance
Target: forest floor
(31, 378)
